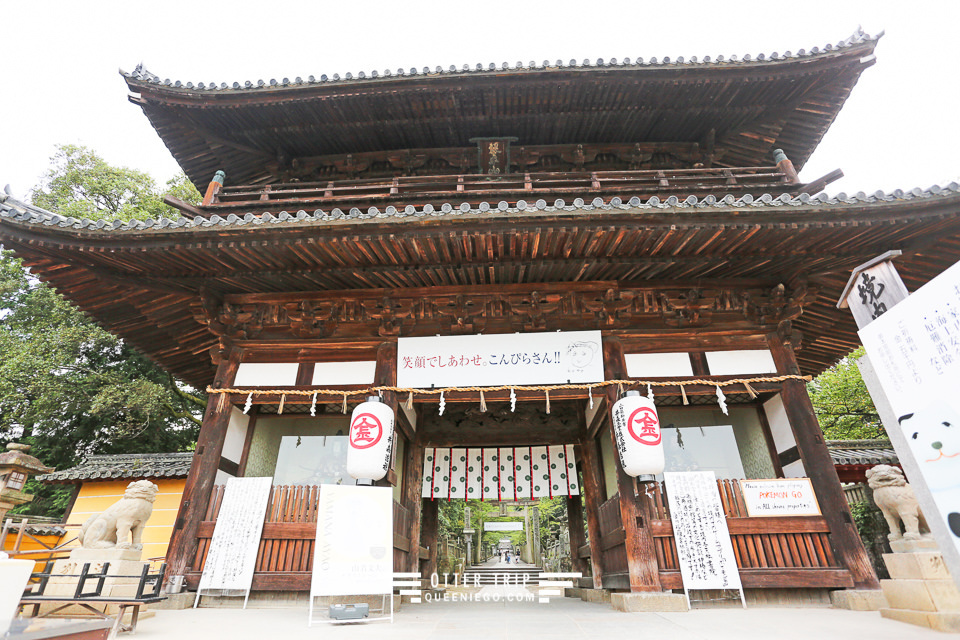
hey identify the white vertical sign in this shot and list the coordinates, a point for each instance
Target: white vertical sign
(915, 350)
(353, 554)
(700, 532)
(232, 556)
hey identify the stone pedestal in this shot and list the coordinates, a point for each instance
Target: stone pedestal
(920, 590)
(123, 562)
(858, 599)
(652, 601)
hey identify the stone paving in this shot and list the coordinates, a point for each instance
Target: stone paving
(560, 618)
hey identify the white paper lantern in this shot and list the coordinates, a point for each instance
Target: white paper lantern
(371, 440)
(636, 427)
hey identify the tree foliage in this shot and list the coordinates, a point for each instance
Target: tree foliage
(68, 387)
(843, 404)
(81, 184)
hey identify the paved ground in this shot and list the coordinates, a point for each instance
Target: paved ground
(561, 618)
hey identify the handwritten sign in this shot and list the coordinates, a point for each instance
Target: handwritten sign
(236, 536)
(353, 554)
(700, 531)
(501, 359)
(780, 497)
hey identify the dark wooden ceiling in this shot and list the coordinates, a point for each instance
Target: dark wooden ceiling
(737, 111)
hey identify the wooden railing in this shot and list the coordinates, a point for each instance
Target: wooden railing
(285, 555)
(465, 187)
(782, 551)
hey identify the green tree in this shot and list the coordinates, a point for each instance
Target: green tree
(843, 404)
(71, 389)
(68, 387)
(81, 184)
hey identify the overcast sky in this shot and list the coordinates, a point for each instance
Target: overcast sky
(59, 64)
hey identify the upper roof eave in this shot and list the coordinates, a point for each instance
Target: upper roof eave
(141, 78)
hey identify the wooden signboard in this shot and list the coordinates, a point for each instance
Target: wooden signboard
(700, 532)
(236, 538)
(780, 497)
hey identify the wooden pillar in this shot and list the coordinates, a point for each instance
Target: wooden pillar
(844, 538)
(412, 488)
(203, 470)
(641, 550)
(594, 494)
(575, 528)
(386, 376)
(429, 534)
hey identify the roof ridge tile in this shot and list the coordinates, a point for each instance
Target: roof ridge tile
(12, 209)
(142, 74)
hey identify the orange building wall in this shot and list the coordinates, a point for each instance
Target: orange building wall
(29, 544)
(95, 497)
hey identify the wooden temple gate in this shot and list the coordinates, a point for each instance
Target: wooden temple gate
(387, 212)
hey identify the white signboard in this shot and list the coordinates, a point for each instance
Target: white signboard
(503, 359)
(915, 350)
(781, 497)
(503, 526)
(353, 554)
(700, 532)
(233, 549)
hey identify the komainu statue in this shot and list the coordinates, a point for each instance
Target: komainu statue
(896, 501)
(121, 525)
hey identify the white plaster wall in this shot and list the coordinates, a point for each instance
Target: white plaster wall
(782, 434)
(266, 374)
(734, 363)
(658, 365)
(236, 434)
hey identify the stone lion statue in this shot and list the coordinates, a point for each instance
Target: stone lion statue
(122, 521)
(896, 501)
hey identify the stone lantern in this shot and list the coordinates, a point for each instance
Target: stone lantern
(16, 465)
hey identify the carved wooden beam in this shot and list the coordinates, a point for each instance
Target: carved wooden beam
(526, 308)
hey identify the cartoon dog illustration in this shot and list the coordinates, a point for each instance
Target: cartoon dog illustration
(934, 438)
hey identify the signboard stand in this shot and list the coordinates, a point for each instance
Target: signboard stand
(353, 553)
(700, 530)
(233, 548)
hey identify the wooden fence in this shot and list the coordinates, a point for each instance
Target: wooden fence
(285, 555)
(781, 551)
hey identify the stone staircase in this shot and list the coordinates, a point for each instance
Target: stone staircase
(484, 575)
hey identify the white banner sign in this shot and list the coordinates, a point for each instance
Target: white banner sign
(503, 526)
(353, 554)
(501, 359)
(700, 531)
(781, 497)
(503, 474)
(915, 350)
(236, 536)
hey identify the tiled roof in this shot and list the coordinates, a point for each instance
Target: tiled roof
(124, 466)
(143, 75)
(17, 211)
(862, 452)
